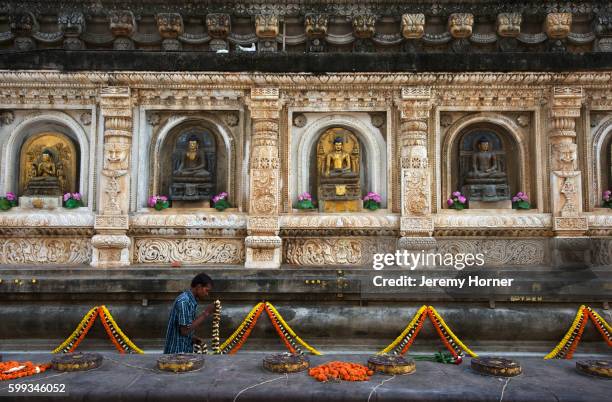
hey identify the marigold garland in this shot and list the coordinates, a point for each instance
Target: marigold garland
(119, 339)
(337, 370)
(287, 335)
(12, 370)
(402, 343)
(567, 346)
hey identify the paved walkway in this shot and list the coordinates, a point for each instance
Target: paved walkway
(242, 378)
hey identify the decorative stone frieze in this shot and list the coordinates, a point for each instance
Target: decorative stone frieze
(189, 251)
(47, 250)
(353, 251)
(460, 25)
(509, 24)
(498, 252)
(558, 25)
(413, 26)
(111, 244)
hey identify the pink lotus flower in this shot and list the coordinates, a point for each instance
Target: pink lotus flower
(450, 202)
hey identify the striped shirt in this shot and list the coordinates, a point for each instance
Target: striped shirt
(182, 314)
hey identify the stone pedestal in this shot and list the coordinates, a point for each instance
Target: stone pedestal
(40, 202)
(341, 205)
(263, 252)
(503, 204)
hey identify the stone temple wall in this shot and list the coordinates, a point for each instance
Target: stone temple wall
(560, 124)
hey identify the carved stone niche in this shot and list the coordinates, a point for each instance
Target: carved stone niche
(558, 25)
(413, 26)
(460, 25)
(509, 24)
(191, 176)
(364, 26)
(488, 175)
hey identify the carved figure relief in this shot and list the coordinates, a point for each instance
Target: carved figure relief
(122, 22)
(558, 25)
(460, 25)
(364, 26)
(413, 26)
(170, 25)
(509, 24)
(48, 165)
(116, 157)
(193, 164)
(564, 156)
(316, 25)
(218, 25)
(266, 26)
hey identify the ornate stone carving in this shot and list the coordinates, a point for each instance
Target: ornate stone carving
(364, 26)
(170, 25)
(218, 25)
(46, 250)
(85, 118)
(299, 120)
(231, 118)
(22, 25)
(493, 221)
(336, 251)
(413, 26)
(558, 25)
(122, 22)
(498, 252)
(153, 118)
(509, 24)
(72, 24)
(316, 25)
(523, 120)
(564, 156)
(7, 117)
(266, 26)
(116, 157)
(460, 25)
(189, 251)
(378, 119)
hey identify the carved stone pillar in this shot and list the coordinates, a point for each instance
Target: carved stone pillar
(416, 224)
(111, 245)
(263, 245)
(566, 185)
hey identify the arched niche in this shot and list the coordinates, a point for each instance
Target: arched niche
(35, 126)
(602, 160)
(372, 147)
(461, 142)
(217, 149)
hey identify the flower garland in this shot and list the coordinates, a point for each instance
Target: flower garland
(287, 335)
(402, 343)
(72, 342)
(119, 339)
(215, 327)
(566, 348)
(12, 369)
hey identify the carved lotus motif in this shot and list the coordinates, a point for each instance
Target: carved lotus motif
(170, 25)
(557, 25)
(266, 26)
(316, 25)
(71, 23)
(364, 26)
(413, 26)
(218, 25)
(460, 25)
(122, 22)
(22, 23)
(509, 24)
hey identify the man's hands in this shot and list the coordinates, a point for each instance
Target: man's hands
(209, 309)
(185, 330)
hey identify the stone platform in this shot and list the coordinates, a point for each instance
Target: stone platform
(242, 378)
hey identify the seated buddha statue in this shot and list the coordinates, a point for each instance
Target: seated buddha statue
(338, 162)
(190, 178)
(44, 178)
(485, 167)
(485, 180)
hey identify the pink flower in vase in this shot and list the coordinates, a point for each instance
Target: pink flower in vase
(76, 196)
(450, 202)
(67, 196)
(11, 196)
(462, 199)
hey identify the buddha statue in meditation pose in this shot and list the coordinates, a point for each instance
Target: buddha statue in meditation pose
(44, 178)
(338, 162)
(486, 179)
(190, 178)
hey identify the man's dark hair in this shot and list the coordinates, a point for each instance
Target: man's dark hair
(201, 279)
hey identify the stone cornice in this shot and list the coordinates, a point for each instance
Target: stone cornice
(298, 81)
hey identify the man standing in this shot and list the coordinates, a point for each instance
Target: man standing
(183, 321)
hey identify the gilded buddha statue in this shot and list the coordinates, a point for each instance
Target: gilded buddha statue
(191, 180)
(339, 188)
(43, 177)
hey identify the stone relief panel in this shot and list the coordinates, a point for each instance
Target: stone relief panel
(336, 251)
(189, 251)
(601, 251)
(47, 250)
(499, 252)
